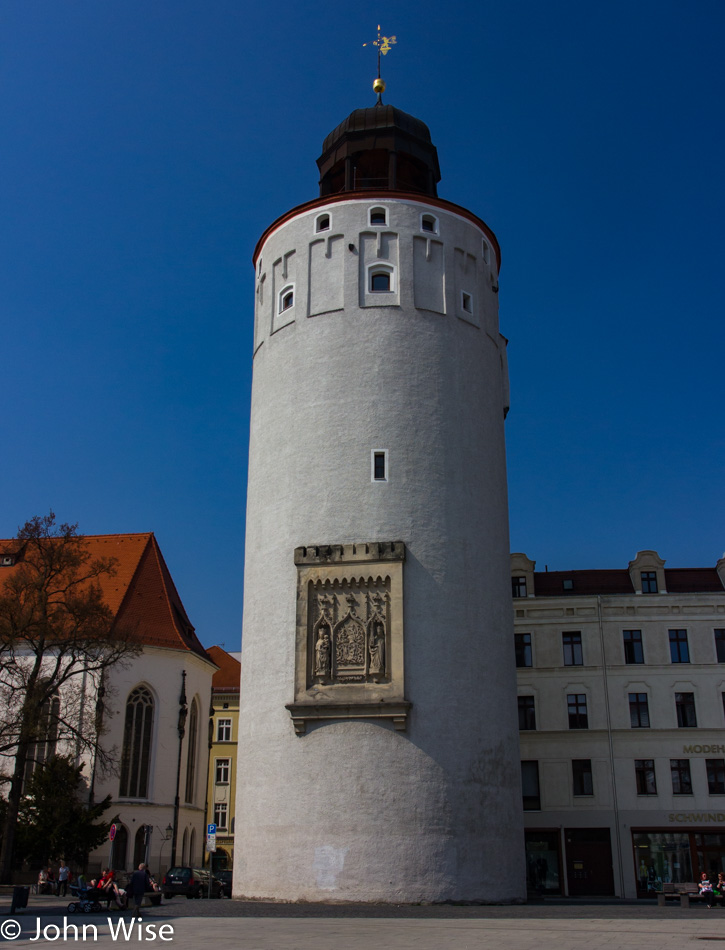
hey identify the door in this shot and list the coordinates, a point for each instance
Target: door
(589, 862)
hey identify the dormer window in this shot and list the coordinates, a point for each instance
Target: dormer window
(429, 223)
(378, 217)
(649, 582)
(286, 299)
(322, 223)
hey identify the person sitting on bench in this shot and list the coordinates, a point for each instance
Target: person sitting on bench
(706, 889)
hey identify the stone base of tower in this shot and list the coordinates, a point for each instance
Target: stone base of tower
(391, 823)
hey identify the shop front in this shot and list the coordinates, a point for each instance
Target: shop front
(667, 856)
(543, 862)
(572, 861)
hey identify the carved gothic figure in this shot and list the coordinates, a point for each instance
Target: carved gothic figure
(350, 644)
(322, 652)
(377, 649)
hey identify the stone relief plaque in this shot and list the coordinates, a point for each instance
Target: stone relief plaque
(349, 638)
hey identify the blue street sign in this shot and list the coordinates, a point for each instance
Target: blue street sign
(211, 829)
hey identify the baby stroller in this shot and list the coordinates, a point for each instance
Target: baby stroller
(84, 901)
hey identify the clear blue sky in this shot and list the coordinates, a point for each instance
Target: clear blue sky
(146, 145)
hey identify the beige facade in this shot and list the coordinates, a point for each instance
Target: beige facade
(621, 693)
(223, 753)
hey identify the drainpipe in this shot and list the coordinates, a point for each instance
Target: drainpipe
(181, 727)
(617, 835)
(208, 768)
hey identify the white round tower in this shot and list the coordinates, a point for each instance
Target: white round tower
(378, 733)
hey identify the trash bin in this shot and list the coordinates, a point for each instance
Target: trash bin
(20, 898)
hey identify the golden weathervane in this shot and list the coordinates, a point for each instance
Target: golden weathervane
(384, 45)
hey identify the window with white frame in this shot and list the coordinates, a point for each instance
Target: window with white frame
(378, 217)
(220, 815)
(224, 730)
(322, 222)
(379, 465)
(221, 771)
(381, 278)
(429, 223)
(286, 298)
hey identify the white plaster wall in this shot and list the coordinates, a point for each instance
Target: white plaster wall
(354, 810)
(160, 670)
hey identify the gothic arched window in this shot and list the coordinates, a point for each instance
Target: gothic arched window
(191, 752)
(139, 847)
(119, 849)
(192, 847)
(136, 753)
(44, 747)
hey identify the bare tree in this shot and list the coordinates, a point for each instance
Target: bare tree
(58, 639)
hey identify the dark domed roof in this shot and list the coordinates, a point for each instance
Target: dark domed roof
(379, 148)
(378, 117)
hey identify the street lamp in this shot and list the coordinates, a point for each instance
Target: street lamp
(181, 727)
(164, 836)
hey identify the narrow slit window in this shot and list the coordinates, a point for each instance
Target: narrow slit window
(466, 302)
(323, 223)
(486, 251)
(380, 466)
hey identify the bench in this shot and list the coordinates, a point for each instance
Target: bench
(685, 893)
(151, 899)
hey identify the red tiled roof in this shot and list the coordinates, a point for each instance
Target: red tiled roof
(678, 580)
(551, 583)
(692, 580)
(227, 676)
(141, 593)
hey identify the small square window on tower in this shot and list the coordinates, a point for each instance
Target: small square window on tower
(322, 222)
(379, 460)
(381, 278)
(466, 302)
(429, 223)
(286, 299)
(378, 217)
(486, 251)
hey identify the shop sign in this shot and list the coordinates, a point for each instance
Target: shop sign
(697, 817)
(703, 749)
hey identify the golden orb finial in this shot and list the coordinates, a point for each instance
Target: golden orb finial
(384, 45)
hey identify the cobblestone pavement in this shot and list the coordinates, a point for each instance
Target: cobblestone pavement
(263, 926)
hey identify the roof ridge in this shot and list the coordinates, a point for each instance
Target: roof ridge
(168, 581)
(127, 592)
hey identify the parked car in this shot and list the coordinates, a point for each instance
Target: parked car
(193, 882)
(226, 878)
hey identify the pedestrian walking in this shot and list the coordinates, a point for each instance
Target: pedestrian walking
(139, 883)
(63, 875)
